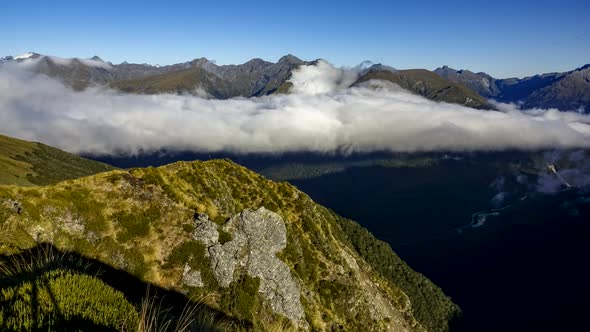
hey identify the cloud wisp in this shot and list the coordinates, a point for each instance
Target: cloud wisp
(322, 115)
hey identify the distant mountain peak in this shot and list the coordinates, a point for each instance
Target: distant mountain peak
(27, 55)
(96, 58)
(446, 68)
(290, 58)
(380, 67)
(22, 57)
(256, 61)
(200, 62)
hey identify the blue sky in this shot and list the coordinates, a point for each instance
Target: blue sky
(503, 38)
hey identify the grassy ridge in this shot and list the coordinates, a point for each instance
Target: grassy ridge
(28, 163)
(141, 221)
(431, 86)
(431, 307)
(177, 82)
(13, 171)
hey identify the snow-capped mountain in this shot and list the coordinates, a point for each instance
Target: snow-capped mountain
(19, 58)
(27, 55)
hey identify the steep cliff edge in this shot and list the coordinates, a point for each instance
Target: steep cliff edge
(254, 249)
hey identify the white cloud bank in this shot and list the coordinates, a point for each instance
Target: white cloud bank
(321, 116)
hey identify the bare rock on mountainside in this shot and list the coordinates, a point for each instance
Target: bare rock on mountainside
(191, 277)
(256, 238)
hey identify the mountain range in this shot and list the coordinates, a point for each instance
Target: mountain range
(199, 76)
(259, 252)
(565, 91)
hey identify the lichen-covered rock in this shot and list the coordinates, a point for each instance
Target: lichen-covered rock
(206, 231)
(72, 224)
(257, 237)
(192, 278)
(12, 204)
(267, 235)
(225, 258)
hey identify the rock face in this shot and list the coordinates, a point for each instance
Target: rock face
(192, 277)
(257, 236)
(206, 231)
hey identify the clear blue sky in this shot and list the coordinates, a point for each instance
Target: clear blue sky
(503, 38)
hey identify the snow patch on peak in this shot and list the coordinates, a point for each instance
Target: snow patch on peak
(24, 56)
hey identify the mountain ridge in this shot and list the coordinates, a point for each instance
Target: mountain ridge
(566, 91)
(202, 77)
(255, 77)
(206, 229)
(427, 84)
(31, 163)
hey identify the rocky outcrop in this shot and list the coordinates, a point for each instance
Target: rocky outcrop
(192, 277)
(12, 204)
(206, 231)
(256, 237)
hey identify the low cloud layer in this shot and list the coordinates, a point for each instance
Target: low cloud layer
(323, 115)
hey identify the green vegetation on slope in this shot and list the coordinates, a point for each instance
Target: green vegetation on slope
(43, 288)
(143, 221)
(431, 307)
(177, 82)
(221, 189)
(300, 171)
(429, 85)
(58, 298)
(29, 163)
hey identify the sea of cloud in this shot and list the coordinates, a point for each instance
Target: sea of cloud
(322, 114)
